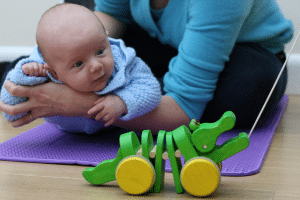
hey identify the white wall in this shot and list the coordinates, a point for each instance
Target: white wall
(19, 18)
(291, 9)
(18, 22)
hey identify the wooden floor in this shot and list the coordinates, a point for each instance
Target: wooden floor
(279, 178)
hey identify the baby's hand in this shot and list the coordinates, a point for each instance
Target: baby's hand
(108, 108)
(34, 69)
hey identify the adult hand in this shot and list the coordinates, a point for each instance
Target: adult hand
(46, 100)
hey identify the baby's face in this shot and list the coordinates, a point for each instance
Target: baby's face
(84, 62)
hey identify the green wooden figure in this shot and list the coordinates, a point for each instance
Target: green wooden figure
(140, 168)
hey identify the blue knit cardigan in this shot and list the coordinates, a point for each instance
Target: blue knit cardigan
(132, 80)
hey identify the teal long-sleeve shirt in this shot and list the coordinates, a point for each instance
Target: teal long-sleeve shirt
(204, 32)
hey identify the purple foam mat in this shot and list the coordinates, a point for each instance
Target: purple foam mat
(47, 144)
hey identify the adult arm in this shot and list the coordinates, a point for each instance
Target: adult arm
(63, 100)
(168, 115)
(207, 42)
(48, 99)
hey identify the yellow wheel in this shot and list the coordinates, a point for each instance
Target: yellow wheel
(200, 176)
(135, 175)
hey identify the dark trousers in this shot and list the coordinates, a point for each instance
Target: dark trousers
(243, 85)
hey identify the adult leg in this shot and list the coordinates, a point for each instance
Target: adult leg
(245, 83)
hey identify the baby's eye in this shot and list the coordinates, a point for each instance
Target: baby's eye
(100, 52)
(78, 64)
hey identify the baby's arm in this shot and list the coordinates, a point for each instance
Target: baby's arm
(142, 93)
(137, 92)
(18, 77)
(34, 69)
(108, 108)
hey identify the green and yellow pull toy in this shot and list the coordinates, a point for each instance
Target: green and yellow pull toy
(140, 167)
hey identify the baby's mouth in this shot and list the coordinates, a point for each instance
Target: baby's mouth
(102, 73)
(101, 77)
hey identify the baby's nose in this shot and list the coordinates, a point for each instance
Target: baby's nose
(96, 67)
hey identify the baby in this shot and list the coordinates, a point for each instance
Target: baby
(73, 48)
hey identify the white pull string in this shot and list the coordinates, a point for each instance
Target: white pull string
(278, 77)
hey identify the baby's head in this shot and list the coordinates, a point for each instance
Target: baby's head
(74, 44)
